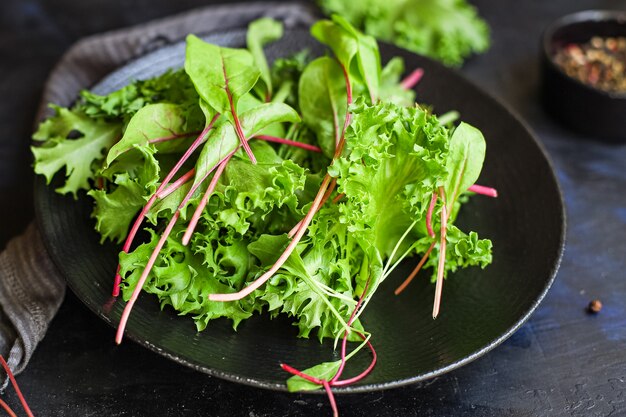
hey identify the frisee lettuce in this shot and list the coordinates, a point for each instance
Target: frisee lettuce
(447, 30)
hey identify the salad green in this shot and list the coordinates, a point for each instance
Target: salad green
(293, 188)
(446, 30)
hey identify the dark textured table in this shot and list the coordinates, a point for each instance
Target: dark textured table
(562, 362)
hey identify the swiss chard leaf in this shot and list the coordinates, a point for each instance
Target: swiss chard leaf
(323, 371)
(223, 139)
(221, 75)
(357, 53)
(323, 100)
(154, 121)
(465, 161)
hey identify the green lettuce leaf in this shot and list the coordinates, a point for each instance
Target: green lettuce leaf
(79, 157)
(447, 30)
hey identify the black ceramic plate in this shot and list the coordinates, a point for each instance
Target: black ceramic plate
(480, 309)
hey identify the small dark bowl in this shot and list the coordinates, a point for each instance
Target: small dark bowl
(586, 109)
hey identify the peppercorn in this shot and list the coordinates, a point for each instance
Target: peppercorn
(594, 306)
(599, 63)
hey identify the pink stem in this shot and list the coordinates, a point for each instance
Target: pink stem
(301, 374)
(7, 409)
(172, 137)
(429, 215)
(285, 255)
(151, 201)
(331, 398)
(289, 142)
(305, 222)
(338, 198)
(144, 276)
(442, 256)
(177, 184)
(412, 79)
(205, 198)
(5, 365)
(481, 189)
(238, 128)
(153, 257)
(293, 231)
(345, 335)
(365, 372)
(415, 271)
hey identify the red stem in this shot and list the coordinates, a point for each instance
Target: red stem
(153, 198)
(304, 224)
(17, 388)
(285, 255)
(301, 374)
(238, 128)
(481, 189)
(177, 184)
(412, 79)
(365, 372)
(6, 408)
(289, 142)
(429, 215)
(172, 137)
(338, 198)
(442, 255)
(205, 199)
(331, 398)
(345, 334)
(293, 231)
(153, 257)
(415, 271)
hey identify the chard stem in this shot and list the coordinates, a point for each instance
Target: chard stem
(301, 374)
(288, 142)
(415, 271)
(177, 184)
(5, 365)
(442, 255)
(412, 79)
(285, 255)
(236, 122)
(331, 398)
(293, 231)
(7, 409)
(172, 137)
(205, 199)
(153, 257)
(481, 189)
(345, 335)
(153, 198)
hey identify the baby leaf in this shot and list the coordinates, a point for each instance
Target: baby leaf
(260, 33)
(465, 160)
(322, 95)
(153, 121)
(220, 74)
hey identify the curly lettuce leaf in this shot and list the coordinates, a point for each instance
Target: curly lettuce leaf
(79, 156)
(447, 30)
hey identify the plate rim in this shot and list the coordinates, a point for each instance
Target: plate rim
(39, 183)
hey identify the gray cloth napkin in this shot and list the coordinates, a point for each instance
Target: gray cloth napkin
(31, 288)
